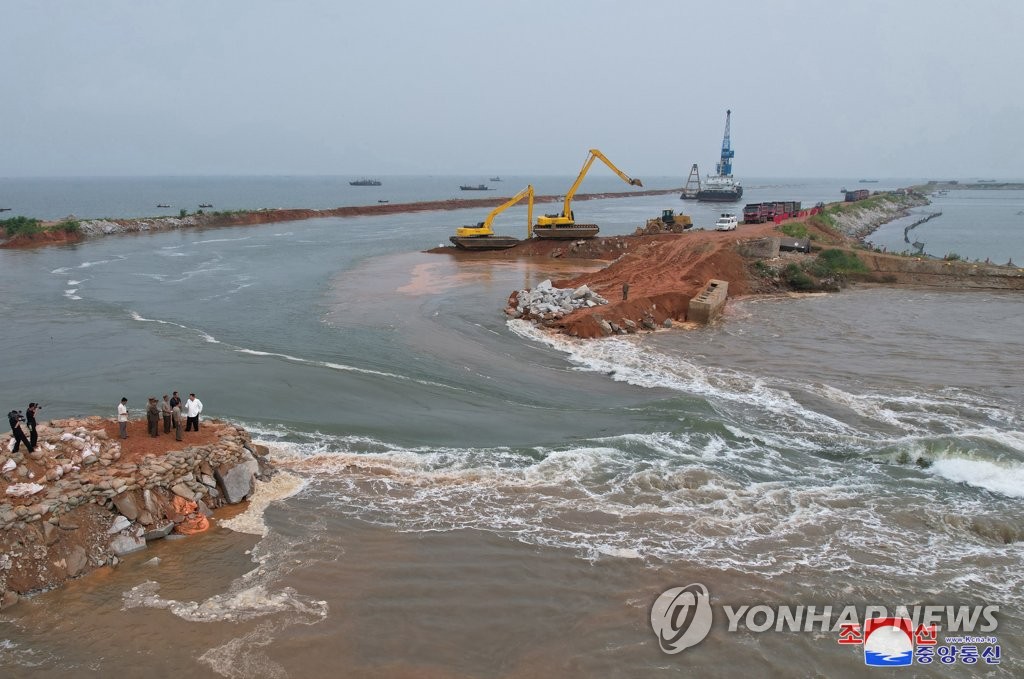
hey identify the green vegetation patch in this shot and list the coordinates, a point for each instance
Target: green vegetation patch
(20, 226)
(796, 278)
(830, 262)
(794, 230)
(69, 226)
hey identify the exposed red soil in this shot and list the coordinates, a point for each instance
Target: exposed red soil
(139, 443)
(663, 271)
(47, 237)
(265, 216)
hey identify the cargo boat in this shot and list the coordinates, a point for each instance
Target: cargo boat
(720, 189)
(365, 182)
(478, 187)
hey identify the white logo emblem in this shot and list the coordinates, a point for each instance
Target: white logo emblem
(681, 617)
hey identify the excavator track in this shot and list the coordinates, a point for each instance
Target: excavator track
(484, 242)
(566, 232)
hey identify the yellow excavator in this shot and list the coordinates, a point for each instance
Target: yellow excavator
(481, 236)
(564, 225)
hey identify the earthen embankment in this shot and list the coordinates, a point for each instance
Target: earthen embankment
(84, 498)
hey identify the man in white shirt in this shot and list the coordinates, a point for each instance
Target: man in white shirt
(122, 418)
(193, 406)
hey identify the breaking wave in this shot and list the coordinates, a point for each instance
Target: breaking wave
(717, 501)
(279, 487)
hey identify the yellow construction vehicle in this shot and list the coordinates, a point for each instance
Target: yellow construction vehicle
(481, 236)
(669, 222)
(564, 225)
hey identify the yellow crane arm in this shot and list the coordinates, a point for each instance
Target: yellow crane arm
(594, 153)
(484, 228)
(528, 191)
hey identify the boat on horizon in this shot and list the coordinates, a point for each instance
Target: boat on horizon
(164, 205)
(365, 182)
(206, 205)
(478, 187)
(495, 179)
(868, 181)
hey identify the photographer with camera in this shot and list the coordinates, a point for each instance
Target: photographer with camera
(30, 420)
(16, 418)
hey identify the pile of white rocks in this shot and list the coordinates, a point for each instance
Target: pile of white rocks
(546, 302)
(106, 227)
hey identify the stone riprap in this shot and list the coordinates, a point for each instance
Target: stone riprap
(74, 504)
(546, 302)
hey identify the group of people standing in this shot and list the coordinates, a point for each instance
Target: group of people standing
(15, 418)
(169, 410)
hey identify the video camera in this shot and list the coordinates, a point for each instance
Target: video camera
(15, 416)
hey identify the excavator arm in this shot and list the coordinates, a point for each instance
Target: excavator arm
(566, 217)
(484, 228)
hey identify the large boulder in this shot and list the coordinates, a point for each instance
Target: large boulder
(126, 544)
(77, 560)
(125, 504)
(238, 481)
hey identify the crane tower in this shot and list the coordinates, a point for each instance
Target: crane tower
(724, 167)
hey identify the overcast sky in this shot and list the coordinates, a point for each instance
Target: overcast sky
(920, 88)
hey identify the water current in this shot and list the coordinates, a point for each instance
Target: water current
(464, 496)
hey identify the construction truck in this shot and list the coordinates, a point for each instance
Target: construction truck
(563, 225)
(669, 222)
(482, 237)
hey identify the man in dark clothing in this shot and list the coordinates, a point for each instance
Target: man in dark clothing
(30, 420)
(153, 417)
(175, 401)
(16, 418)
(165, 412)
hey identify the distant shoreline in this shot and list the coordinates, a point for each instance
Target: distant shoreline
(92, 228)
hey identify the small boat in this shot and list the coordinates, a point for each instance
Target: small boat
(5, 209)
(162, 205)
(382, 201)
(206, 205)
(868, 181)
(727, 222)
(365, 182)
(478, 187)
(495, 179)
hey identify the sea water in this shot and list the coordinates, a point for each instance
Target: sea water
(466, 496)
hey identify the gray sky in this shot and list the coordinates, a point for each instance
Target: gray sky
(908, 88)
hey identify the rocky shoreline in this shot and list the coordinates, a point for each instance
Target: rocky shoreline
(80, 502)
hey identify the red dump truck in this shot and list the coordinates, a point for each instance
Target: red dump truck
(757, 213)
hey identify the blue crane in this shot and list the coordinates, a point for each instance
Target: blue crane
(724, 167)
